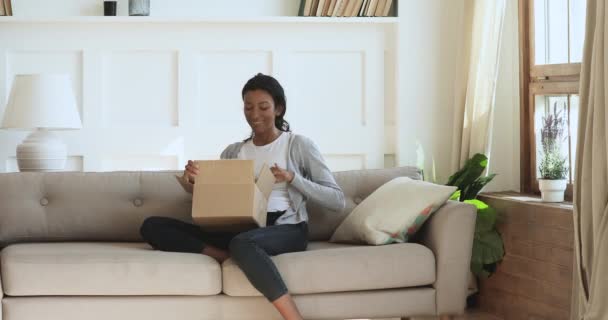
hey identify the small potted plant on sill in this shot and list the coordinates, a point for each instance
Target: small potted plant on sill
(552, 167)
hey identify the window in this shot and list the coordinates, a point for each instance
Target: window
(551, 44)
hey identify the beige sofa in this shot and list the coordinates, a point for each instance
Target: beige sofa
(72, 250)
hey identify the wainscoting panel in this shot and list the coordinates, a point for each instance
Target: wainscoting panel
(153, 93)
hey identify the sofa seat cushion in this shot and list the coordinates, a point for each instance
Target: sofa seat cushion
(330, 267)
(45, 269)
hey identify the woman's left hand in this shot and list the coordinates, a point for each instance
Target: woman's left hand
(280, 174)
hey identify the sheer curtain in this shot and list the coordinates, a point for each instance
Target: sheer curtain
(476, 87)
(590, 283)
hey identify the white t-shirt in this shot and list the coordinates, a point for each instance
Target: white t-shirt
(274, 152)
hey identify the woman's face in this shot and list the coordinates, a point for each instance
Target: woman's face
(260, 111)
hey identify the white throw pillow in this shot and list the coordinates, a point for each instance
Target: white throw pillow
(392, 213)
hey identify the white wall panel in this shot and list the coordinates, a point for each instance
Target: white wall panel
(139, 89)
(149, 162)
(219, 106)
(155, 94)
(337, 99)
(343, 162)
(329, 87)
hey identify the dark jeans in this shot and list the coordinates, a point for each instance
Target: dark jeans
(251, 250)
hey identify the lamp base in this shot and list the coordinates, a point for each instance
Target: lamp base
(41, 151)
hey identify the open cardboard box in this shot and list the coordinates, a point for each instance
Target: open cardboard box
(227, 196)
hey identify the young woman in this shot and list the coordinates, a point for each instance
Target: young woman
(301, 175)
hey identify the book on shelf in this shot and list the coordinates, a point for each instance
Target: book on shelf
(339, 4)
(8, 7)
(325, 12)
(371, 8)
(313, 9)
(306, 7)
(362, 9)
(330, 9)
(387, 8)
(301, 8)
(349, 8)
(343, 8)
(379, 8)
(320, 6)
(357, 8)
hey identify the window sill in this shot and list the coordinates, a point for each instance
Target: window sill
(531, 199)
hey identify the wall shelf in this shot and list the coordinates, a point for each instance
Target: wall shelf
(204, 20)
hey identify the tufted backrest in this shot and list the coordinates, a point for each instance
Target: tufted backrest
(110, 206)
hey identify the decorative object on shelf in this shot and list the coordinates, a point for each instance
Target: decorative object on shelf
(553, 168)
(488, 248)
(139, 7)
(109, 8)
(41, 102)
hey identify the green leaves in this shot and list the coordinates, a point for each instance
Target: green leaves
(487, 251)
(455, 196)
(488, 247)
(469, 180)
(473, 190)
(552, 164)
(486, 216)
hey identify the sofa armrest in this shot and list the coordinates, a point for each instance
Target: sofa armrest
(449, 234)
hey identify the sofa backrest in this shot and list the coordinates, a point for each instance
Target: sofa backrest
(110, 206)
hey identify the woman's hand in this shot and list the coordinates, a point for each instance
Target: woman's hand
(191, 171)
(281, 175)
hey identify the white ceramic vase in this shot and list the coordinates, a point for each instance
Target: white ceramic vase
(552, 190)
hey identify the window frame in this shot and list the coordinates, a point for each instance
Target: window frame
(548, 79)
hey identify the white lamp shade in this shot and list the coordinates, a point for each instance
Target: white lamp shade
(42, 101)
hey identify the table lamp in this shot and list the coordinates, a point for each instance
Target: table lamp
(41, 103)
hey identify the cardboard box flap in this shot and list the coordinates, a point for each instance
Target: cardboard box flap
(225, 172)
(265, 181)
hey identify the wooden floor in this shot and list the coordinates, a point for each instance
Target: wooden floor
(471, 315)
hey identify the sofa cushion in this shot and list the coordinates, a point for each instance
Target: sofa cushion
(105, 269)
(392, 213)
(357, 185)
(328, 267)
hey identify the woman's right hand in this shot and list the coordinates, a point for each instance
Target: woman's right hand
(191, 171)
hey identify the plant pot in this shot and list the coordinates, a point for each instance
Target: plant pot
(552, 190)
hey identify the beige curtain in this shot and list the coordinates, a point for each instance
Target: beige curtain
(476, 84)
(590, 284)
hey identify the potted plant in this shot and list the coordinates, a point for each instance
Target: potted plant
(552, 167)
(488, 248)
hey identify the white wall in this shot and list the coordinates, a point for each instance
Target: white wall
(416, 116)
(154, 93)
(431, 32)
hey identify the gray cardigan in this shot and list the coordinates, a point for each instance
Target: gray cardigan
(312, 178)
